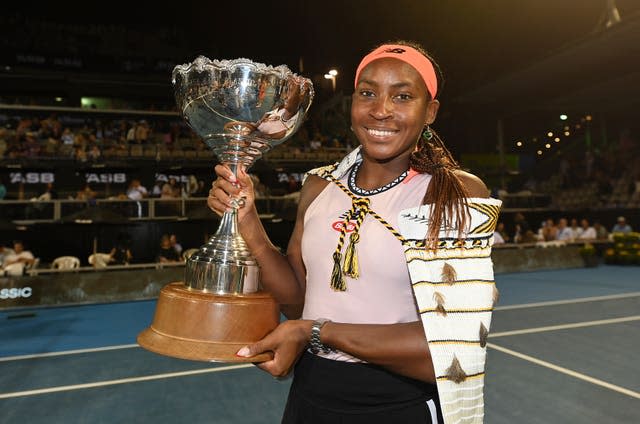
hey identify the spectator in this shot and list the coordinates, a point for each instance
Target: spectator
(14, 263)
(176, 246)
(156, 191)
(601, 231)
(137, 192)
(170, 190)
(4, 252)
(121, 253)
(40, 205)
(587, 232)
(503, 232)
(86, 194)
(548, 231)
(131, 133)
(94, 153)
(564, 232)
(67, 137)
(49, 193)
(141, 132)
(523, 233)
(621, 226)
(167, 253)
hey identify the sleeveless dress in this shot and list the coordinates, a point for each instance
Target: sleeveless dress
(336, 387)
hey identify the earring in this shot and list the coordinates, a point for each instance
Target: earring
(427, 134)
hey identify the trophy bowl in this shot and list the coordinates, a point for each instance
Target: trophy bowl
(241, 109)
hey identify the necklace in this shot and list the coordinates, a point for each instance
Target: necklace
(351, 181)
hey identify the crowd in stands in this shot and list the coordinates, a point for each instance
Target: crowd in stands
(90, 139)
(561, 230)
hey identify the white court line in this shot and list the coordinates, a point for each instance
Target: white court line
(567, 301)
(566, 371)
(120, 381)
(564, 326)
(67, 352)
(499, 308)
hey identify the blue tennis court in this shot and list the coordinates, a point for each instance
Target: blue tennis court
(562, 350)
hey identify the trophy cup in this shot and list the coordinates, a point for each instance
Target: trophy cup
(241, 109)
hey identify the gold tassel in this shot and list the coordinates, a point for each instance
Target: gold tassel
(351, 267)
(496, 295)
(337, 282)
(448, 274)
(484, 333)
(439, 298)
(455, 372)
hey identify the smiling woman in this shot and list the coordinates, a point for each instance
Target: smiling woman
(387, 281)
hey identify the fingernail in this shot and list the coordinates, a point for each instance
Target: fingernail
(232, 178)
(244, 352)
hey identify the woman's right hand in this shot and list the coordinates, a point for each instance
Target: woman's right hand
(227, 186)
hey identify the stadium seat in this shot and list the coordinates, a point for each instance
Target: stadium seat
(99, 260)
(65, 262)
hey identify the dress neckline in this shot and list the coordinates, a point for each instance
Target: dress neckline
(351, 182)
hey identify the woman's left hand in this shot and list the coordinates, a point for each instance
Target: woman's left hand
(286, 342)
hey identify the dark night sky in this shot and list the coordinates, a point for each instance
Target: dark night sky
(474, 41)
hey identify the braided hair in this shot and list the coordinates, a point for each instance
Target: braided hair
(445, 193)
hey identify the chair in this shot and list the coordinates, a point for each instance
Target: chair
(99, 260)
(65, 262)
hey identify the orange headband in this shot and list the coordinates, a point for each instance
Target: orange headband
(408, 55)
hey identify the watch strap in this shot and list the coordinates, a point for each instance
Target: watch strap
(315, 345)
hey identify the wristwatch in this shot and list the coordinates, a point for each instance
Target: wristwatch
(315, 345)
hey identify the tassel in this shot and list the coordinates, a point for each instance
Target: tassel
(448, 274)
(496, 295)
(350, 267)
(455, 372)
(337, 282)
(439, 298)
(484, 333)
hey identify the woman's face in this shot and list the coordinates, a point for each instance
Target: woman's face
(390, 109)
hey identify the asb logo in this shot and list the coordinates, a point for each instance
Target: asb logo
(15, 293)
(31, 177)
(339, 224)
(117, 177)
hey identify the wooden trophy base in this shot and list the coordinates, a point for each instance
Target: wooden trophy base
(201, 326)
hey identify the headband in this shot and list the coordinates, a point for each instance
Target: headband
(408, 55)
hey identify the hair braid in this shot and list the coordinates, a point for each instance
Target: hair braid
(445, 192)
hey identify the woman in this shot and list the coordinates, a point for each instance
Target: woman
(365, 277)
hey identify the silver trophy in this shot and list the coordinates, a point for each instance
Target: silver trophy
(241, 109)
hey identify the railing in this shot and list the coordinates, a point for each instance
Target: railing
(84, 269)
(110, 210)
